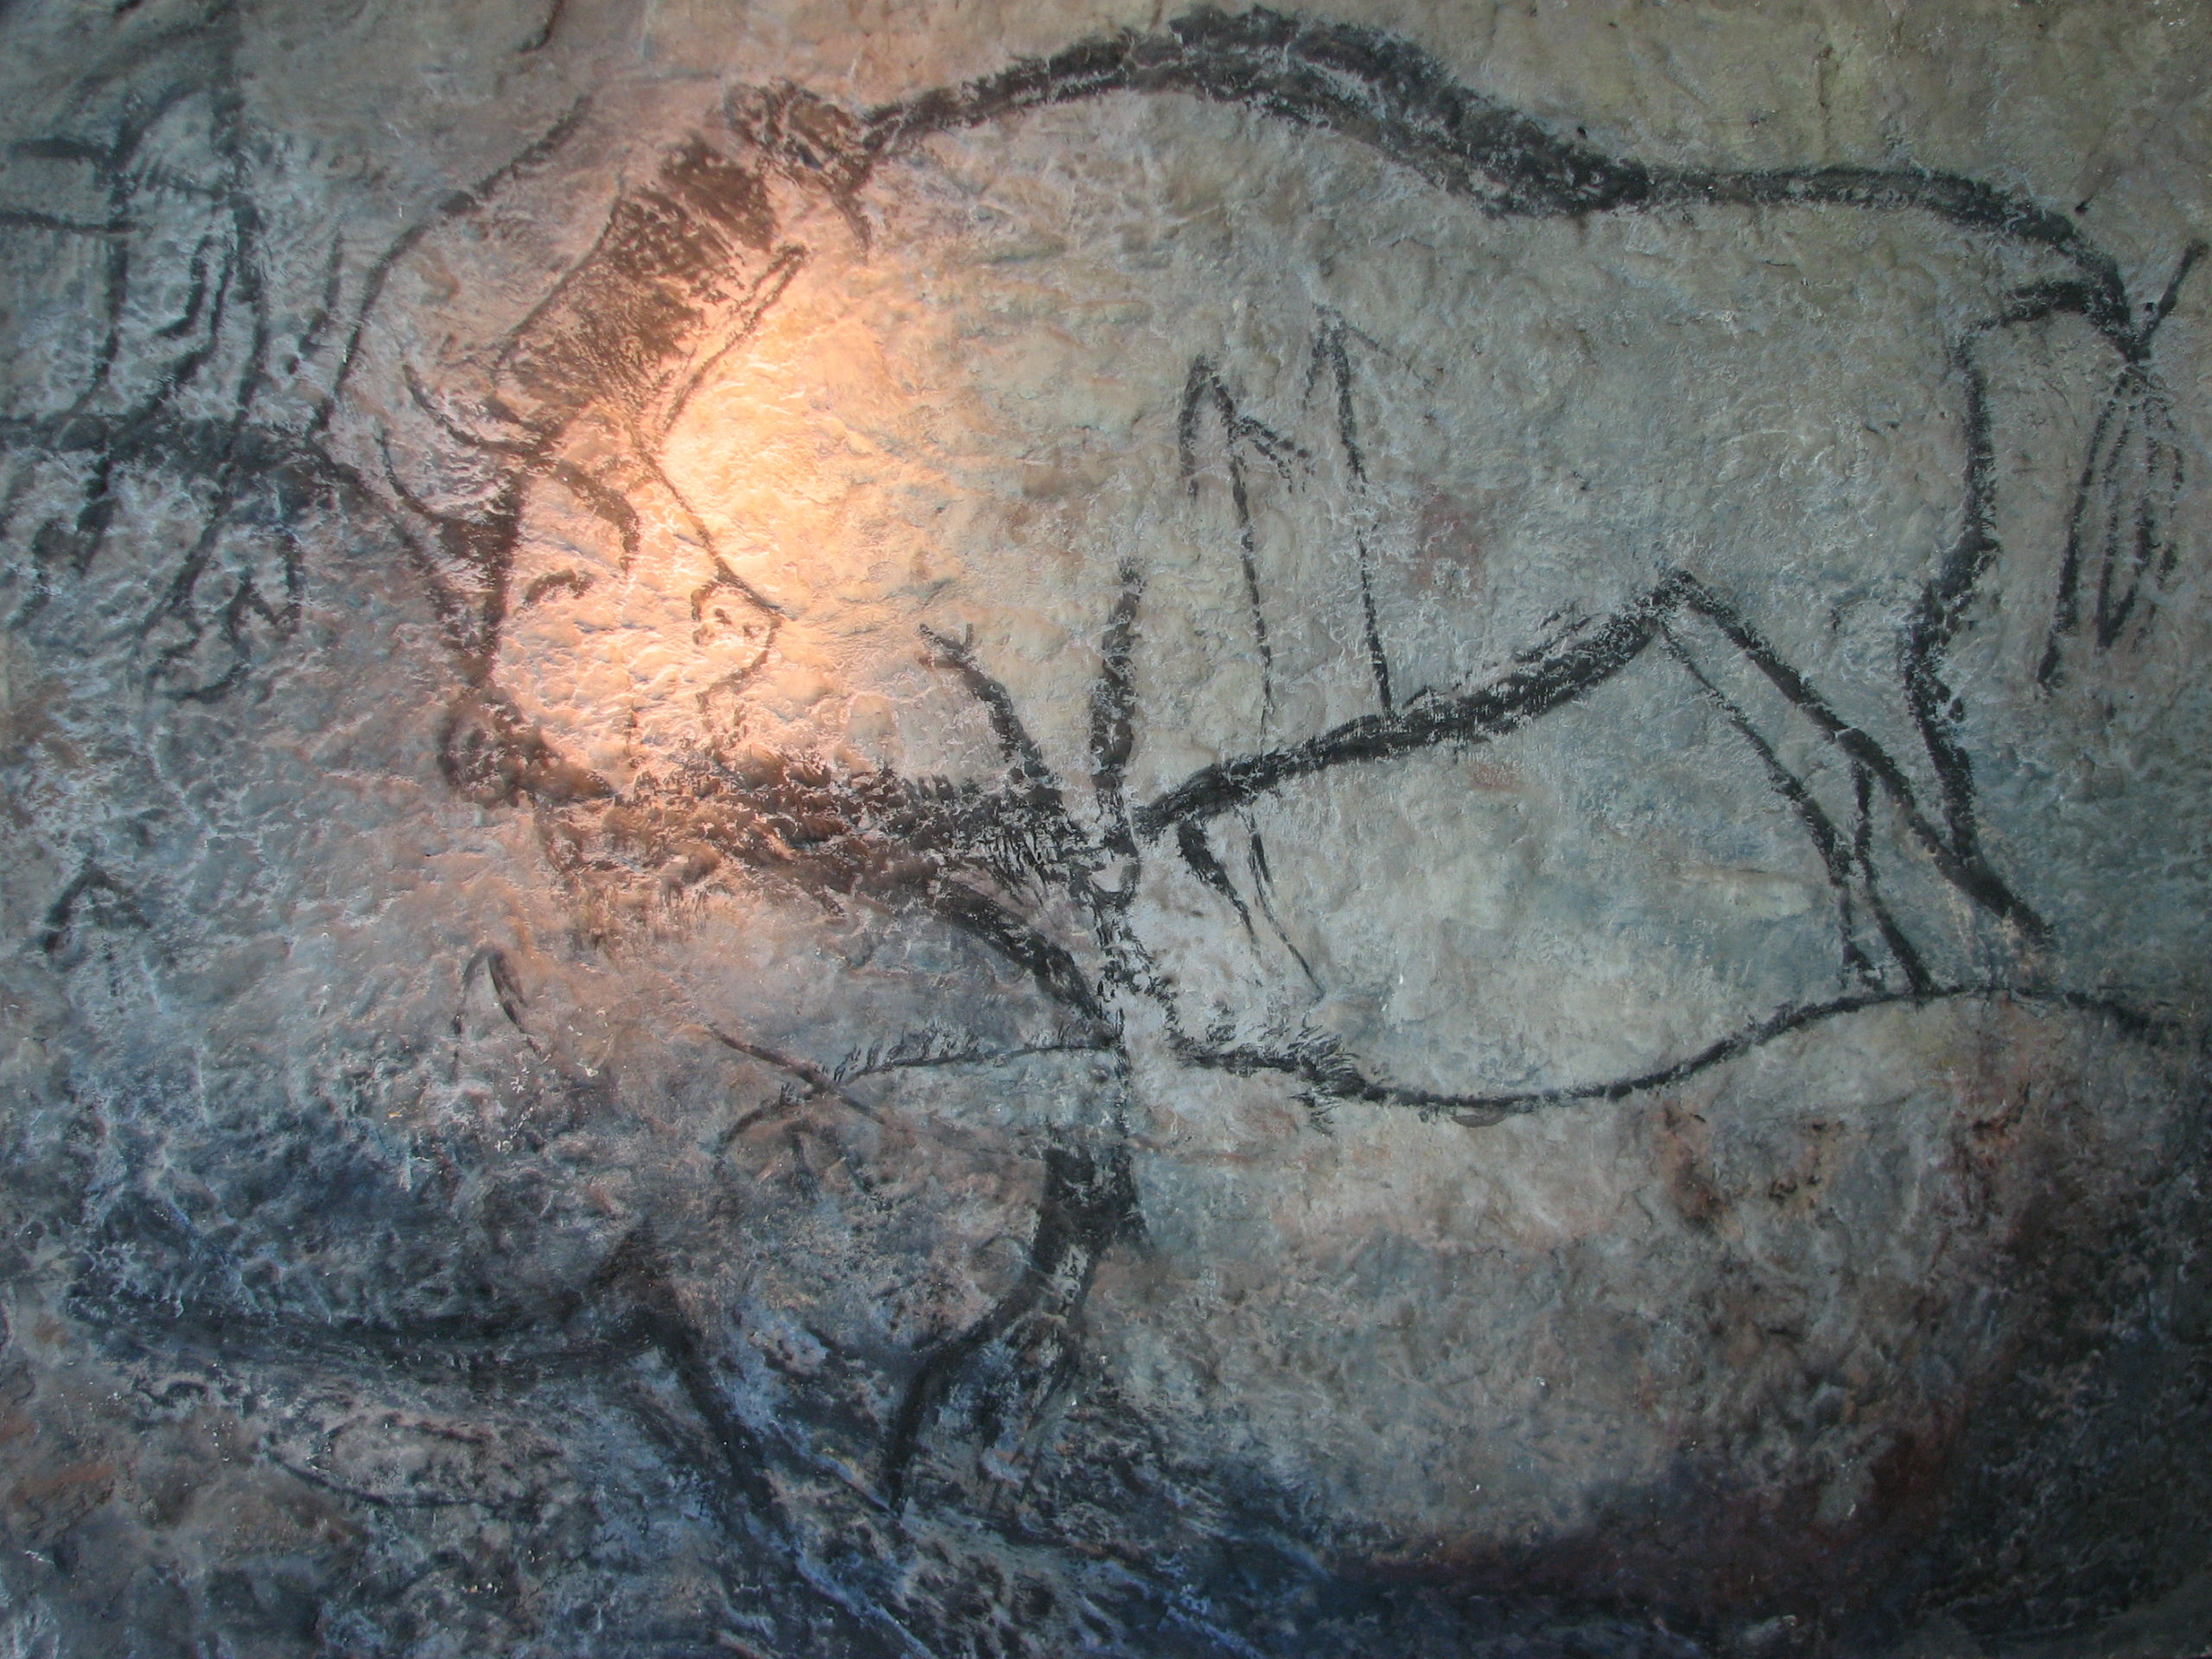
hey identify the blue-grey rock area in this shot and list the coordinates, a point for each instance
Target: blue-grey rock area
(996, 830)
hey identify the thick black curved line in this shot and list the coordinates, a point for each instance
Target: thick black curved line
(629, 1308)
(1506, 703)
(1090, 1204)
(1367, 85)
(1050, 964)
(1329, 1073)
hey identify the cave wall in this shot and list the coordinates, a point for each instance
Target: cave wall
(946, 829)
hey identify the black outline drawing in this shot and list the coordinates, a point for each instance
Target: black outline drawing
(687, 265)
(967, 854)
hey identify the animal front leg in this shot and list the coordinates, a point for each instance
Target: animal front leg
(1928, 828)
(994, 1384)
(1867, 926)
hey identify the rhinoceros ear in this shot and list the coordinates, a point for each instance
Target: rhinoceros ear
(807, 138)
(2123, 535)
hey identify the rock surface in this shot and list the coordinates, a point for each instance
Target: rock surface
(958, 829)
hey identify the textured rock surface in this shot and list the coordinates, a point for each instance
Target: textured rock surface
(1025, 830)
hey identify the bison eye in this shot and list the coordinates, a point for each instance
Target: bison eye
(728, 625)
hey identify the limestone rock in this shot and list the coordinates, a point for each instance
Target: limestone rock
(1035, 830)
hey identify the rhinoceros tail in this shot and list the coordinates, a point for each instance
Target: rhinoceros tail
(2122, 537)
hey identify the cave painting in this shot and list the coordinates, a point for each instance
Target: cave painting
(679, 731)
(791, 539)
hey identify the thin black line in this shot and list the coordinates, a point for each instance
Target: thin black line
(1328, 349)
(1256, 855)
(1113, 710)
(543, 38)
(1190, 842)
(29, 218)
(1203, 390)
(970, 1056)
(1941, 614)
(1969, 871)
(1014, 740)
(816, 1078)
(1902, 948)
